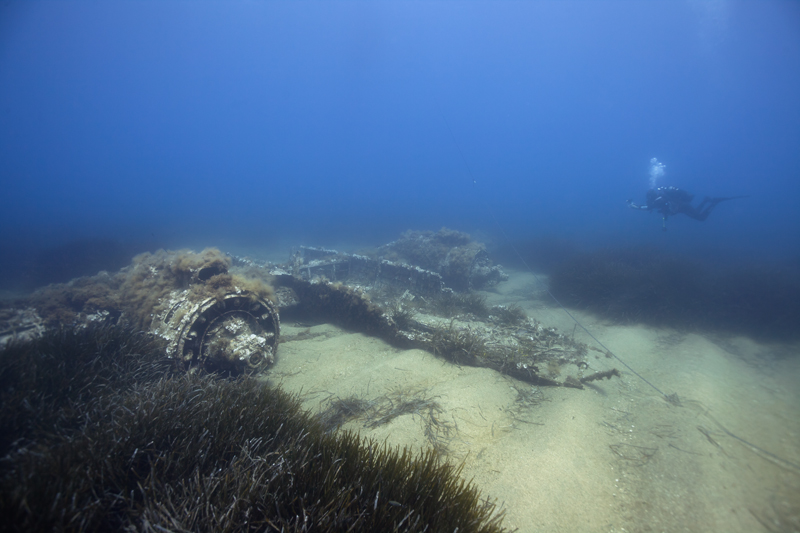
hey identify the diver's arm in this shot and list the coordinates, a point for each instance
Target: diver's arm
(634, 206)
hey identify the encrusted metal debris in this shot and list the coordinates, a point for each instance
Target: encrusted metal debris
(222, 313)
(236, 330)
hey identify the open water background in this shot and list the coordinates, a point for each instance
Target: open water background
(268, 124)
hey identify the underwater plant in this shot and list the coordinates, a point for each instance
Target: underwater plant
(457, 345)
(141, 290)
(426, 249)
(509, 315)
(342, 410)
(382, 410)
(45, 381)
(650, 286)
(449, 303)
(342, 305)
(462, 262)
(152, 277)
(193, 452)
(401, 314)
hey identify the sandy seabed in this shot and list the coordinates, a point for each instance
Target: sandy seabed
(613, 457)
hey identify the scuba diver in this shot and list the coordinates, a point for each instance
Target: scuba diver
(672, 201)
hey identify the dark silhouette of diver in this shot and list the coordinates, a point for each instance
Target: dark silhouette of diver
(672, 201)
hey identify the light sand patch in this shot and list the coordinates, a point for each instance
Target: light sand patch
(613, 457)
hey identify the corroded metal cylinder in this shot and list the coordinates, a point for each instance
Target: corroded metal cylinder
(237, 332)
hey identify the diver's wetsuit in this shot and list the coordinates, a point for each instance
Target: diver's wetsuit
(672, 201)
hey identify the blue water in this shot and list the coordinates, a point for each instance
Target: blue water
(254, 124)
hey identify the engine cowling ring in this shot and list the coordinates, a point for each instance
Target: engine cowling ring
(236, 332)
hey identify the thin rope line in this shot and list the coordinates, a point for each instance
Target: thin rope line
(500, 227)
(546, 288)
(668, 398)
(771, 455)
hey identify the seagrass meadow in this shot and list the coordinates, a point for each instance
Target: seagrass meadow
(100, 433)
(649, 286)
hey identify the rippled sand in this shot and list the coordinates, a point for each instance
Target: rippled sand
(613, 457)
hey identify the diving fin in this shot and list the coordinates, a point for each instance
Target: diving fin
(718, 200)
